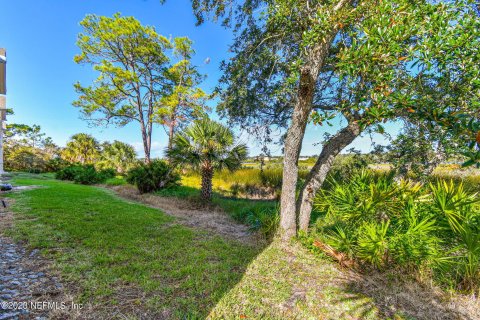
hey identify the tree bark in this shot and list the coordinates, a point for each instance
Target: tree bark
(294, 138)
(207, 176)
(293, 145)
(319, 172)
(146, 138)
(149, 136)
(171, 132)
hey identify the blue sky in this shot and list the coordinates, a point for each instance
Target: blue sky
(40, 36)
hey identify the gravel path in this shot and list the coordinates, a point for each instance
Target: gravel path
(28, 288)
(23, 287)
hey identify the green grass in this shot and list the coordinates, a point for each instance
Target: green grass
(104, 245)
(238, 209)
(293, 284)
(117, 181)
(106, 248)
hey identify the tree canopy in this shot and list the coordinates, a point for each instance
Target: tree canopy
(366, 62)
(82, 148)
(208, 146)
(26, 148)
(118, 155)
(185, 101)
(136, 81)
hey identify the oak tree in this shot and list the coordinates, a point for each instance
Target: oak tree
(367, 62)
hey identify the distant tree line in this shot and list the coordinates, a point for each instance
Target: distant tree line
(27, 148)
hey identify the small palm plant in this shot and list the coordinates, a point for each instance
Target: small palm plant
(207, 145)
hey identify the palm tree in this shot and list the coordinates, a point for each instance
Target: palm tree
(207, 145)
(82, 148)
(118, 155)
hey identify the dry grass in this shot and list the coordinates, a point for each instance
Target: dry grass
(395, 293)
(192, 214)
(288, 282)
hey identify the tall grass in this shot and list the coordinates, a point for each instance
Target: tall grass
(244, 183)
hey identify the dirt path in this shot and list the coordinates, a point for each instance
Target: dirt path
(209, 219)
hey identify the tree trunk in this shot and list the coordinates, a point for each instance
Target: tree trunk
(207, 176)
(293, 141)
(149, 137)
(146, 138)
(171, 132)
(293, 145)
(319, 172)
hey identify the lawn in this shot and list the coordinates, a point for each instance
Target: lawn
(106, 247)
(132, 260)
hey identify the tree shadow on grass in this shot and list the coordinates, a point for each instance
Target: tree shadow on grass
(289, 282)
(122, 259)
(396, 297)
(199, 273)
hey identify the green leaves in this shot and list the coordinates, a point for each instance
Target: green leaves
(117, 155)
(387, 60)
(452, 202)
(207, 143)
(403, 224)
(183, 100)
(82, 148)
(372, 243)
(131, 60)
(136, 81)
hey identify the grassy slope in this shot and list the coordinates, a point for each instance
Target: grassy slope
(287, 282)
(126, 256)
(107, 247)
(238, 209)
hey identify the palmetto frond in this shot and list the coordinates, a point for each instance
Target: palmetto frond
(207, 141)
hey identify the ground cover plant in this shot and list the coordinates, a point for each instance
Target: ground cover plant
(374, 221)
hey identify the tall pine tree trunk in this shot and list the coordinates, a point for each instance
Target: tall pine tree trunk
(147, 140)
(171, 132)
(319, 172)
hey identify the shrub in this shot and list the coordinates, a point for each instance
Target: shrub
(86, 174)
(68, 173)
(265, 220)
(56, 164)
(24, 158)
(383, 223)
(345, 165)
(108, 173)
(153, 176)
